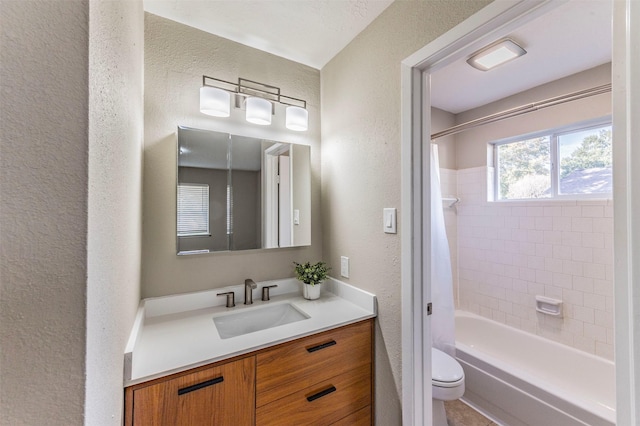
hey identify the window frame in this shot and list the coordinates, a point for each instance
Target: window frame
(554, 154)
(206, 233)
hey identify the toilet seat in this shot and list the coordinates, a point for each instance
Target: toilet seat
(446, 372)
(447, 384)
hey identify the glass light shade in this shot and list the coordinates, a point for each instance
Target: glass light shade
(496, 54)
(215, 102)
(297, 119)
(258, 111)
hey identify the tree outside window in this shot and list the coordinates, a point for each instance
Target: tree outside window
(581, 159)
(588, 168)
(524, 169)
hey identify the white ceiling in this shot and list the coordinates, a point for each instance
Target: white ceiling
(310, 32)
(570, 38)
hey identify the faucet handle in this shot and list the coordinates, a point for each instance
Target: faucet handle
(231, 298)
(265, 292)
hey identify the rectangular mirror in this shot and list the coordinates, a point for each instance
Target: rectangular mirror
(240, 193)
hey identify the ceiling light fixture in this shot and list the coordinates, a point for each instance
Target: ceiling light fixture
(495, 54)
(257, 98)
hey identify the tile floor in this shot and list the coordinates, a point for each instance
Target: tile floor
(460, 414)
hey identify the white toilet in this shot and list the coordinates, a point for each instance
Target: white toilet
(447, 383)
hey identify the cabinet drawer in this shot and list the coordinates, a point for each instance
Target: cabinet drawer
(360, 418)
(220, 395)
(305, 362)
(322, 404)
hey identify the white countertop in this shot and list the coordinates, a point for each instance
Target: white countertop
(177, 333)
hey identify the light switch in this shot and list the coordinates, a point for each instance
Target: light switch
(296, 217)
(389, 217)
(344, 266)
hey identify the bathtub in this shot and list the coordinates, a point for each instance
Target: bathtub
(520, 379)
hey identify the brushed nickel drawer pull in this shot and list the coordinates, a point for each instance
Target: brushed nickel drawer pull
(321, 346)
(321, 394)
(201, 385)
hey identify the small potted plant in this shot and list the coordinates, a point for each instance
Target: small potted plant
(312, 276)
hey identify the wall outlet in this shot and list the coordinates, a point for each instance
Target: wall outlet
(344, 266)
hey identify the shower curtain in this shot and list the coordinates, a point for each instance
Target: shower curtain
(442, 320)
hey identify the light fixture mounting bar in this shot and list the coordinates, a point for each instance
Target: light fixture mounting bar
(220, 84)
(246, 88)
(288, 100)
(261, 90)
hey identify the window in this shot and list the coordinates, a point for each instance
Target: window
(193, 209)
(572, 162)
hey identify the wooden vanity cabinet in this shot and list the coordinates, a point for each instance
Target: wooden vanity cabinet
(220, 395)
(322, 379)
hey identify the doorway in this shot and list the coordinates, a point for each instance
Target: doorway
(489, 24)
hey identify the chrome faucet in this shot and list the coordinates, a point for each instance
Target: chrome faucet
(249, 286)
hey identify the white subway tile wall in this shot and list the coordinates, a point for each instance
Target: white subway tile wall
(509, 252)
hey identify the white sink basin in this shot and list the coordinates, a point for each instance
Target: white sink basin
(255, 319)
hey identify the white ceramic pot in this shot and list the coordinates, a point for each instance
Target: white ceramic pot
(311, 292)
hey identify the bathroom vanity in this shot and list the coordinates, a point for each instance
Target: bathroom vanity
(180, 370)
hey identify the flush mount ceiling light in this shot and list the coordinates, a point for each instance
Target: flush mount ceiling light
(257, 98)
(495, 54)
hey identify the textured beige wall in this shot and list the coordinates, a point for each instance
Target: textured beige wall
(361, 166)
(472, 145)
(176, 57)
(70, 216)
(116, 37)
(43, 211)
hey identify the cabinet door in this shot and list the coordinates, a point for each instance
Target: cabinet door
(221, 395)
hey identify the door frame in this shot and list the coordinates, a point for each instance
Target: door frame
(501, 17)
(270, 194)
(285, 209)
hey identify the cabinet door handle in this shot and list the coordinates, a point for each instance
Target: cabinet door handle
(321, 346)
(321, 394)
(201, 385)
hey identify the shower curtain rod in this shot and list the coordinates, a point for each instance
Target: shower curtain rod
(523, 109)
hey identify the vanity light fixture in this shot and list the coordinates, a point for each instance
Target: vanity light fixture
(258, 100)
(498, 53)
